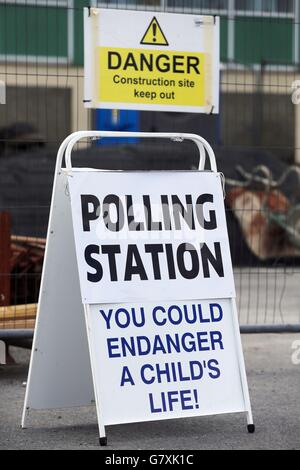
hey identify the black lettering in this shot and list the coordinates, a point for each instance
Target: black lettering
(130, 62)
(166, 212)
(215, 260)
(186, 213)
(154, 249)
(133, 256)
(111, 251)
(178, 63)
(192, 63)
(194, 271)
(147, 61)
(112, 199)
(210, 224)
(170, 261)
(132, 224)
(87, 216)
(114, 57)
(162, 63)
(151, 224)
(93, 263)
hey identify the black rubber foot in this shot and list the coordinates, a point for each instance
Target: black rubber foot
(251, 428)
(103, 441)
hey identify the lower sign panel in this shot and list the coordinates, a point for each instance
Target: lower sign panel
(155, 361)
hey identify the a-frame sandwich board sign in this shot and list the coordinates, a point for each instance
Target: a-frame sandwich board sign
(137, 298)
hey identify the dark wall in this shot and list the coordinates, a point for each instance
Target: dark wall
(259, 121)
(47, 109)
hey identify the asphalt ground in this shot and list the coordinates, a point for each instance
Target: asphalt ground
(274, 383)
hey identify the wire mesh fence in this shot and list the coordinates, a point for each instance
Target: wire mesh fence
(256, 137)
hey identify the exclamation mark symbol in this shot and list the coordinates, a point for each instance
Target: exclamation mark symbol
(154, 28)
(196, 398)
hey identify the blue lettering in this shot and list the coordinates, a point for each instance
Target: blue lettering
(126, 317)
(126, 377)
(185, 399)
(107, 317)
(128, 346)
(147, 345)
(216, 339)
(111, 347)
(143, 370)
(202, 339)
(214, 370)
(154, 313)
(141, 322)
(188, 346)
(158, 345)
(173, 320)
(196, 375)
(152, 407)
(216, 317)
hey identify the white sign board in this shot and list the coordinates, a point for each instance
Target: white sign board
(151, 61)
(140, 236)
(148, 249)
(164, 360)
(137, 301)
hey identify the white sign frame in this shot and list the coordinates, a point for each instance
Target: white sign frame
(104, 29)
(53, 380)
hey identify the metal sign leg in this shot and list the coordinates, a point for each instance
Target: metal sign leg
(102, 433)
(240, 355)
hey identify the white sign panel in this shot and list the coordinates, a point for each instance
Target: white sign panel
(151, 61)
(164, 360)
(145, 236)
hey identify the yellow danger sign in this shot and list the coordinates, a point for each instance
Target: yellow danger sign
(154, 35)
(151, 76)
(162, 62)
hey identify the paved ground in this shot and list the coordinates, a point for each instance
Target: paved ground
(274, 387)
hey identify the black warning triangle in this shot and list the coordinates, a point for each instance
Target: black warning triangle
(154, 35)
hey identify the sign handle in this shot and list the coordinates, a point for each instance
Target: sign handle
(202, 144)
